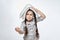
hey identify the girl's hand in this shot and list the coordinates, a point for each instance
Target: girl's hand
(17, 29)
(33, 8)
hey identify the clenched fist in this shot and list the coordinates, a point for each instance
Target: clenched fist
(17, 29)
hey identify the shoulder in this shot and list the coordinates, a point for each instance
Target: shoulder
(23, 23)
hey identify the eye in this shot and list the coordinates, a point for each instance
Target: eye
(31, 14)
(27, 14)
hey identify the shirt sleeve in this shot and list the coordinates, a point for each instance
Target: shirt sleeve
(39, 19)
(22, 26)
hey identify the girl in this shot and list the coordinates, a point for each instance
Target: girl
(29, 26)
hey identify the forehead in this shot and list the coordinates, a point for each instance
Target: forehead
(29, 12)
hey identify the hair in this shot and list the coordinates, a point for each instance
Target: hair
(26, 30)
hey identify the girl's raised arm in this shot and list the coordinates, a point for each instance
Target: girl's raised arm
(39, 12)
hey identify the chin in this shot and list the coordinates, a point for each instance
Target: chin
(29, 20)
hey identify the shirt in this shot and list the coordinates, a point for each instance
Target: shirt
(30, 26)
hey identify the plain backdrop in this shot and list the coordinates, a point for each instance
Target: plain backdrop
(49, 29)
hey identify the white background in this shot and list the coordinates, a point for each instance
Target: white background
(49, 29)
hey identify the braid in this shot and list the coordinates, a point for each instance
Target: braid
(26, 30)
(37, 34)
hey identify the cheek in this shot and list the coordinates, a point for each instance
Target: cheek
(31, 16)
(27, 16)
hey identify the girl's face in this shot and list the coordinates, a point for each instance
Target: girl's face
(29, 15)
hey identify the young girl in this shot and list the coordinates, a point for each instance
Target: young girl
(29, 26)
